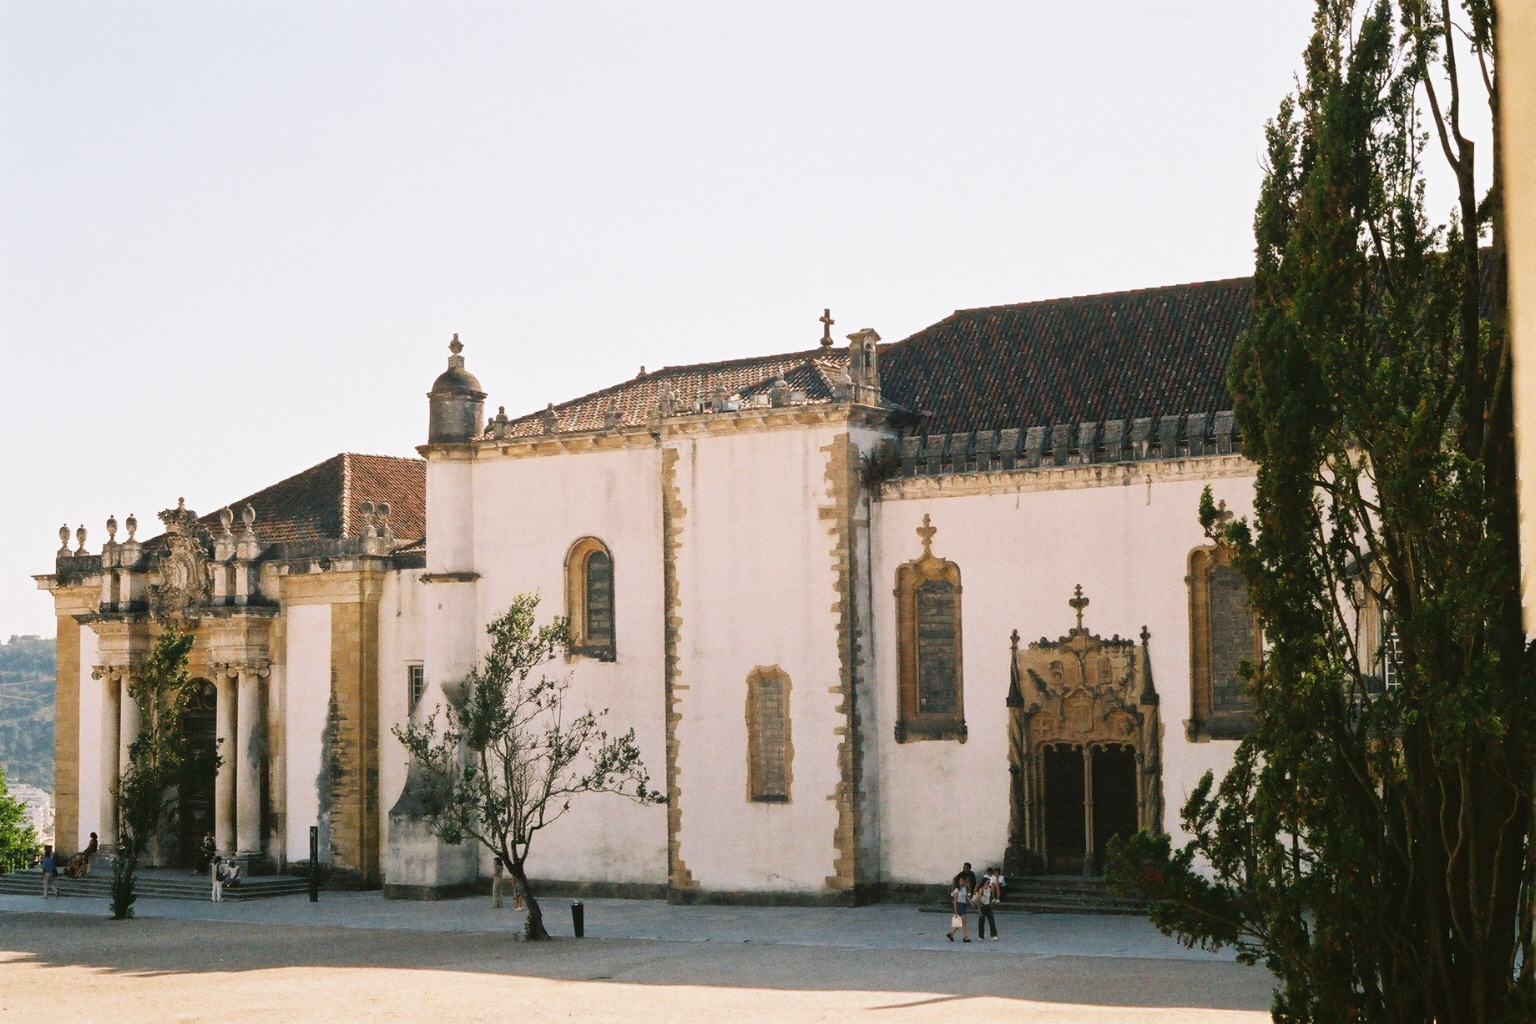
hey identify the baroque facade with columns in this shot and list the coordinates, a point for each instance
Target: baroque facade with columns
(805, 580)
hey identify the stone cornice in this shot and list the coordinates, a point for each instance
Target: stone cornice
(1068, 478)
(662, 430)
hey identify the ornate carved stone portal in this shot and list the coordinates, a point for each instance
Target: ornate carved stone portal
(1084, 749)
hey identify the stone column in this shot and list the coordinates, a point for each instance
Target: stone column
(111, 767)
(224, 783)
(128, 719)
(1090, 855)
(248, 762)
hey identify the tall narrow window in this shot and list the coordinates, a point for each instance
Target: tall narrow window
(416, 682)
(931, 682)
(1222, 635)
(589, 599)
(768, 746)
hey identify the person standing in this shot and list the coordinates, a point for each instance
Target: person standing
(990, 891)
(88, 853)
(208, 853)
(960, 901)
(216, 871)
(496, 884)
(50, 871)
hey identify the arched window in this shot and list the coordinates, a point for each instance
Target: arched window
(1222, 635)
(769, 752)
(589, 598)
(931, 688)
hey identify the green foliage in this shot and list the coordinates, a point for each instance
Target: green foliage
(158, 760)
(26, 710)
(1372, 845)
(18, 840)
(510, 757)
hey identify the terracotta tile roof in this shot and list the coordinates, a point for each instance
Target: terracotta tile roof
(1152, 352)
(324, 501)
(812, 372)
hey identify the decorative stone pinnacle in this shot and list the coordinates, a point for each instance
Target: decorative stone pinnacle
(1146, 635)
(926, 531)
(248, 517)
(826, 328)
(133, 526)
(1014, 640)
(1223, 514)
(1078, 603)
(112, 529)
(80, 536)
(455, 346)
(226, 520)
(64, 541)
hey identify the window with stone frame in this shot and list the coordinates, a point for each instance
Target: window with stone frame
(1223, 634)
(416, 685)
(770, 753)
(1380, 651)
(930, 674)
(589, 604)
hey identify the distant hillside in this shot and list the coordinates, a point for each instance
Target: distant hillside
(26, 710)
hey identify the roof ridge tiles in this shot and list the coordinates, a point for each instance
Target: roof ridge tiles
(1121, 293)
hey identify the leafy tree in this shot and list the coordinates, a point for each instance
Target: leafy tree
(1372, 845)
(18, 840)
(159, 760)
(509, 761)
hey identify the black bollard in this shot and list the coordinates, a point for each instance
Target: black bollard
(314, 863)
(578, 918)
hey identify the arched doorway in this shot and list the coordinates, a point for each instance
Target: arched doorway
(1084, 749)
(199, 724)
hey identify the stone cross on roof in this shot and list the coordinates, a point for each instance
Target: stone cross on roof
(1078, 603)
(826, 328)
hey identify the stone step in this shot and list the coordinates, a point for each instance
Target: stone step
(98, 885)
(1059, 894)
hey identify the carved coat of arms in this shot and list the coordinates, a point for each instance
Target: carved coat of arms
(184, 585)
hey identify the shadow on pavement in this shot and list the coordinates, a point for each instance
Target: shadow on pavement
(152, 946)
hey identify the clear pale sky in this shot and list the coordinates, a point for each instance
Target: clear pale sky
(235, 238)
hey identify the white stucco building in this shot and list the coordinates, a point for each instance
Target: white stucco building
(871, 609)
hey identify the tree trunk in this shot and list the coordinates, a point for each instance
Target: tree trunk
(534, 928)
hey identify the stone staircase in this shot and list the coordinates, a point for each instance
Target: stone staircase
(1058, 894)
(1066, 894)
(154, 883)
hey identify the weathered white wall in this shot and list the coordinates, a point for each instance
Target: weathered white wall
(1020, 555)
(757, 586)
(400, 644)
(307, 694)
(93, 791)
(527, 514)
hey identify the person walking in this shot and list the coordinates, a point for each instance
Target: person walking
(960, 902)
(989, 893)
(50, 872)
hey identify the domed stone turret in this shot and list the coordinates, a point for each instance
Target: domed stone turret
(456, 401)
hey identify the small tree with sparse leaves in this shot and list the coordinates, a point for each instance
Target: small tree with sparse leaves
(18, 840)
(510, 757)
(159, 761)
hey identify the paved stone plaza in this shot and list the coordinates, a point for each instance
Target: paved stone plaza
(355, 956)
